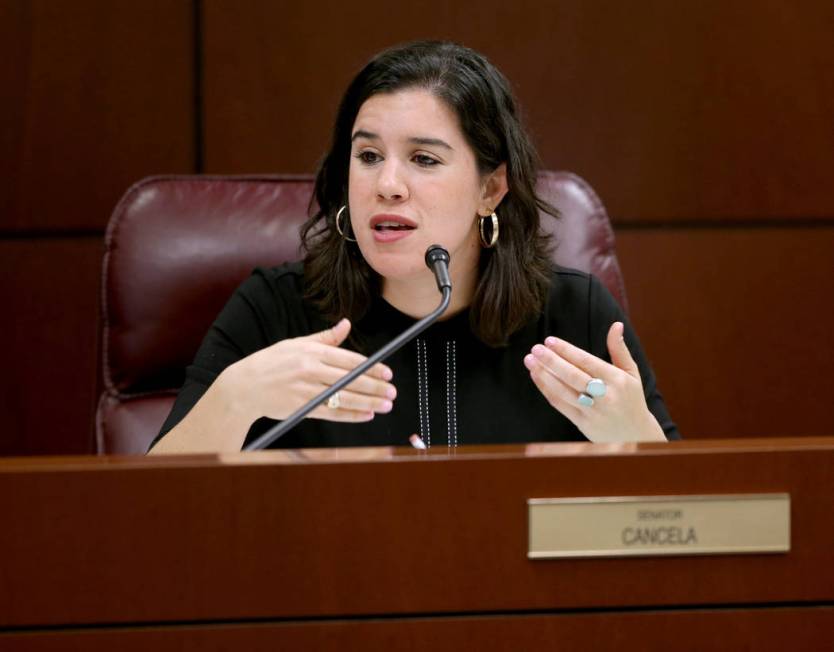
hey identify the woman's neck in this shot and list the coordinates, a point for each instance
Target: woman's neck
(418, 297)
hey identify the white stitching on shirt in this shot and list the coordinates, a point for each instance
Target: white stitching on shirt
(423, 392)
(454, 394)
(451, 395)
(420, 392)
(448, 398)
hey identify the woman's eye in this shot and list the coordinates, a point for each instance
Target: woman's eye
(425, 161)
(368, 157)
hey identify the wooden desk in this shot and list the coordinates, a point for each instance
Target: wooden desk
(360, 549)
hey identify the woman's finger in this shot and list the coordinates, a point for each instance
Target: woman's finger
(590, 364)
(331, 336)
(365, 384)
(349, 400)
(557, 393)
(618, 350)
(342, 415)
(569, 374)
(348, 360)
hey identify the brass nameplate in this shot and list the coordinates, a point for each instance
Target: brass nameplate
(658, 525)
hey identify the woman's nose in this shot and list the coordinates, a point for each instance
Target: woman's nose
(390, 184)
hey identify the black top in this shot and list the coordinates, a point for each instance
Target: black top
(451, 388)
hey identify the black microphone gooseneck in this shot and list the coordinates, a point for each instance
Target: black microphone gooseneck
(437, 259)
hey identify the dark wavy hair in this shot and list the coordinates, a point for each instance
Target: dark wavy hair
(514, 274)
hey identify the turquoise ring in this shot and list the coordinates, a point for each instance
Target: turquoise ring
(584, 400)
(596, 388)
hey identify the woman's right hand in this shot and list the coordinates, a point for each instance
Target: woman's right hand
(274, 382)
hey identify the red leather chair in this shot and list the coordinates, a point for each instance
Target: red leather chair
(176, 247)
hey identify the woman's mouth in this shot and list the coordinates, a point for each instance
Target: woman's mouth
(389, 228)
(392, 226)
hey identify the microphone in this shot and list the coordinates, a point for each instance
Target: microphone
(437, 259)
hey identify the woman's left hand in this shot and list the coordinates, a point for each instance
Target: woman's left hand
(562, 371)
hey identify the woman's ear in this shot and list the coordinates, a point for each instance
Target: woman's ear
(495, 187)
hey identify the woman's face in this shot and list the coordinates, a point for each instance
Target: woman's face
(414, 182)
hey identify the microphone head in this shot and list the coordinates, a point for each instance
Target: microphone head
(435, 253)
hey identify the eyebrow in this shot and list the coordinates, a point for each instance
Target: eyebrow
(417, 140)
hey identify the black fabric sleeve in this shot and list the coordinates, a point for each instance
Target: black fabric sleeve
(251, 320)
(604, 311)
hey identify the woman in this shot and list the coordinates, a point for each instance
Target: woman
(427, 148)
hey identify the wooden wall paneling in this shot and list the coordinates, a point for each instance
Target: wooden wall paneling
(673, 111)
(688, 111)
(14, 48)
(50, 299)
(97, 94)
(737, 324)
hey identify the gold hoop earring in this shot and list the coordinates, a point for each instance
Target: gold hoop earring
(338, 226)
(489, 243)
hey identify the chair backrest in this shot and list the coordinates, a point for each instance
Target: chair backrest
(176, 248)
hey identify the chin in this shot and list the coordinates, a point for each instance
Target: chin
(399, 266)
